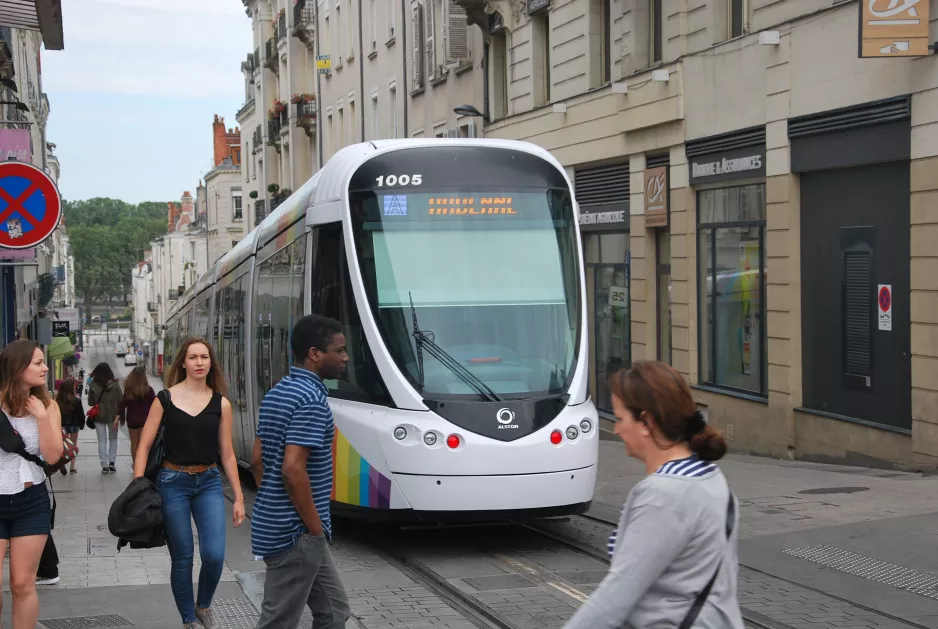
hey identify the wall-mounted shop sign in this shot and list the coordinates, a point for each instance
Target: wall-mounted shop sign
(893, 28)
(656, 197)
(744, 163)
(604, 219)
(537, 5)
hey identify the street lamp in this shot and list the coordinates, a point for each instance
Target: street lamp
(467, 110)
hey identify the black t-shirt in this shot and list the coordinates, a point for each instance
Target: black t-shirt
(191, 440)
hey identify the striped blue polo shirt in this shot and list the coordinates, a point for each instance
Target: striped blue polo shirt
(294, 412)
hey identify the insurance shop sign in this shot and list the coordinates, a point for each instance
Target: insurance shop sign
(745, 163)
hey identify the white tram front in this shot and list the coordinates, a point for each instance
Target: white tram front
(455, 268)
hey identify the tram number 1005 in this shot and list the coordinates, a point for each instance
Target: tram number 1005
(399, 180)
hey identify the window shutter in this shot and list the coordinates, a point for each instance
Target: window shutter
(858, 313)
(457, 32)
(418, 50)
(429, 22)
(472, 129)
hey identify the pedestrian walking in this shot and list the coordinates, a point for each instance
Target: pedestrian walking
(292, 461)
(25, 512)
(73, 415)
(105, 391)
(674, 557)
(196, 420)
(135, 405)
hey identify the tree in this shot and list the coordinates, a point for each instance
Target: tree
(108, 238)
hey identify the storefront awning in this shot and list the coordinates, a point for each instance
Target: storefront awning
(35, 15)
(60, 348)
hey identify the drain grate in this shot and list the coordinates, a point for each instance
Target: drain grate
(915, 581)
(85, 622)
(240, 613)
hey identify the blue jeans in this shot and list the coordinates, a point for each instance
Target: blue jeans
(201, 496)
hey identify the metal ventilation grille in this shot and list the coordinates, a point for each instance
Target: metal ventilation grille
(602, 185)
(858, 304)
(915, 581)
(726, 142)
(865, 115)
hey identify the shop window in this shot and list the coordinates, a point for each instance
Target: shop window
(607, 263)
(731, 253)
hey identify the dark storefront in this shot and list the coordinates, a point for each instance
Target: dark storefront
(855, 183)
(602, 193)
(728, 175)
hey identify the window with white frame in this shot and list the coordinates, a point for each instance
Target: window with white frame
(417, 36)
(237, 213)
(439, 130)
(375, 117)
(352, 132)
(340, 128)
(391, 12)
(350, 26)
(392, 109)
(340, 36)
(329, 133)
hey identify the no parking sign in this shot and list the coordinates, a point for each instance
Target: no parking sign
(884, 306)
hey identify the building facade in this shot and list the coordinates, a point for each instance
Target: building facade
(757, 205)
(36, 279)
(224, 204)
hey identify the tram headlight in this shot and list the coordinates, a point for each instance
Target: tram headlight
(400, 433)
(430, 438)
(572, 432)
(586, 425)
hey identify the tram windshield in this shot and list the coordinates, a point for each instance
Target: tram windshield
(475, 288)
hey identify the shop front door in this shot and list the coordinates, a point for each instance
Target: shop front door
(854, 240)
(612, 327)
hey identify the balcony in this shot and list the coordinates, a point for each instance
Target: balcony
(281, 29)
(172, 295)
(304, 22)
(284, 119)
(260, 211)
(271, 60)
(151, 306)
(306, 113)
(249, 64)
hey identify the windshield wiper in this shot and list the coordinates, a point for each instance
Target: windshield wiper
(426, 338)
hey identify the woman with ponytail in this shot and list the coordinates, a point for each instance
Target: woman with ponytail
(674, 558)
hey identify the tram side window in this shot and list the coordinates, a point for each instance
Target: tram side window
(232, 329)
(279, 305)
(331, 296)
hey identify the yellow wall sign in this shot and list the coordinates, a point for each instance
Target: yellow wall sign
(893, 28)
(323, 62)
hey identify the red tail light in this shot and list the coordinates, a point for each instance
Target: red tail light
(556, 437)
(452, 441)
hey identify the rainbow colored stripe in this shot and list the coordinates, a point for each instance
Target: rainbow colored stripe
(354, 480)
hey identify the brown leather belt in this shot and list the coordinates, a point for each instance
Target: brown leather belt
(188, 469)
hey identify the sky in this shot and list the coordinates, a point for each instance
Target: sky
(135, 90)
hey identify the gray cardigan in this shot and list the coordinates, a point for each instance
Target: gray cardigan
(671, 537)
(109, 398)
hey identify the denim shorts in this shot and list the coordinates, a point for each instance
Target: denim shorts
(25, 513)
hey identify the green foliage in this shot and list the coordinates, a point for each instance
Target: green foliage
(108, 238)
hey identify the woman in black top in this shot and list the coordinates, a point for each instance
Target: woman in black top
(197, 436)
(73, 414)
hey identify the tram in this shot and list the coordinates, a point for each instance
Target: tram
(455, 268)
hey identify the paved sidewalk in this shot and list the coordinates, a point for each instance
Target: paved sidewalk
(821, 545)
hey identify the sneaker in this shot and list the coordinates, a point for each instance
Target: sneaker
(104, 470)
(47, 580)
(111, 467)
(207, 618)
(192, 625)
(73, 471)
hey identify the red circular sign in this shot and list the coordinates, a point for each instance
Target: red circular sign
(885, 299)
(30, 205)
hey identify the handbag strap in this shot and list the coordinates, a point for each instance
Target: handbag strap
(702, 597)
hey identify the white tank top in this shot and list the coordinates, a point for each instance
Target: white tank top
(15, 471)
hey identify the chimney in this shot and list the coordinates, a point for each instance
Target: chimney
(218, 136)
(187, 205)
(171, 218)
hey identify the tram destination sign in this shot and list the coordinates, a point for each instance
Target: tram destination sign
(744, 163)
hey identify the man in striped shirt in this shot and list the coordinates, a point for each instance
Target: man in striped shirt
(292, 459)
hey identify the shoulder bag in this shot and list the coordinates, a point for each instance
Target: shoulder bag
(158, 449)
(702, 597)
